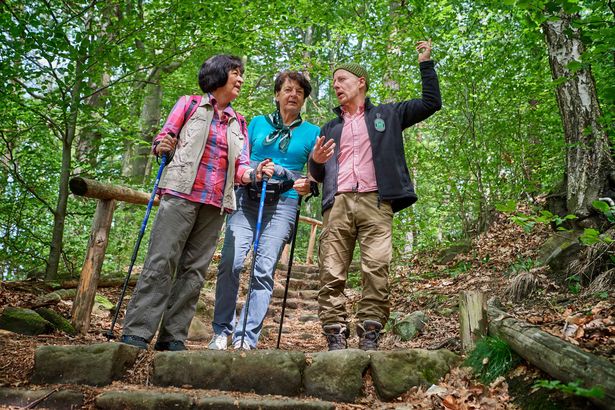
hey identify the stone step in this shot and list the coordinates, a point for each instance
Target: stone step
(309, 294)
(278, 293)
(296, 304)
(333, 376)
(152, 399)
(304, 284)
(46, 398)
(119, 400)
(296, 269)
(280, 275)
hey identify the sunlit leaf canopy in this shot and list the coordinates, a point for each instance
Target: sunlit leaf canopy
(73, 69)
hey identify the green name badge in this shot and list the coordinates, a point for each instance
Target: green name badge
(379, 124)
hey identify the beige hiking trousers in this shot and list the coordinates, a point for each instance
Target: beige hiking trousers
(355, 217)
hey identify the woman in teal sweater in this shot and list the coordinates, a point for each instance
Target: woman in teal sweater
(287, 140)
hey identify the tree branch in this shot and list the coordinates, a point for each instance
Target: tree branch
(14, 171)
(27, 90)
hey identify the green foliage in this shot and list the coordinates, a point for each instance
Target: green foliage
(497, 139)
(592, 236)
(354, 280)
(573, 388)
(574, 284)
(606, 209)
(458, 269)
(527, 222)
(521, 264)
(491, 358)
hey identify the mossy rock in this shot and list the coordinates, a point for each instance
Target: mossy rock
(410, 326)
(56, 296)
(57, 320)
(448, 254)
(24, 321)
(103, 302)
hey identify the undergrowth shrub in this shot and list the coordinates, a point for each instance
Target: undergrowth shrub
(491, 358)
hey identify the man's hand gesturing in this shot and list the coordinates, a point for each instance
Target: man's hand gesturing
(323, 151)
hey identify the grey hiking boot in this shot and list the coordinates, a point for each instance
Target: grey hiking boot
(369, 333)
(336, 336)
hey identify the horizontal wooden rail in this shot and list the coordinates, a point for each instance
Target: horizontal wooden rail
(99, 190)
(310, 221)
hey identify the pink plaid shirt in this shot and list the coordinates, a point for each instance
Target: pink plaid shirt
(208, 187)
(356, 164)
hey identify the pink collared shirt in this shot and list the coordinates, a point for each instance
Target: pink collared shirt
(356, 171)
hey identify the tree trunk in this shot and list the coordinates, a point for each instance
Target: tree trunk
(588, 155)
(59, 215)
(562, 360)
(89, 137)
(137, 153)
(472, 319)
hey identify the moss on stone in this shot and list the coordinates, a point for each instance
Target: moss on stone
(58, 321)
(24, 321)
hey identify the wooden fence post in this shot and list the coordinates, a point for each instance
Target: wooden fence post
(95, 256)
(472, 318)
(310, 250)
(285, 255)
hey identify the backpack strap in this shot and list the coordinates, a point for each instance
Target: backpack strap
(186, 117)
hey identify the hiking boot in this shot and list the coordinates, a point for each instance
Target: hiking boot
(237, 345)
(336, 336)
(369, 333)
(218, 342)
(172, 346)
(136, 341)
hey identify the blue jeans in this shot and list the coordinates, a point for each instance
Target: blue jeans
(276, 228)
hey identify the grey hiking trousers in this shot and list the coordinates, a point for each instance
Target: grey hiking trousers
(182, 243)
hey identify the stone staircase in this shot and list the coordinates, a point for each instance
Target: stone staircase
(266, 378)
(273, 379)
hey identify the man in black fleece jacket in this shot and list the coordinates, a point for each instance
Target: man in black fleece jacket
(359, 158)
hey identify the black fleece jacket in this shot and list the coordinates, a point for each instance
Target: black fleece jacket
(392, 175)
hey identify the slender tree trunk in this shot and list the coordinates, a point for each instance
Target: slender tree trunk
(59, 215)
(588, 154)
(88, 141)
(137, 153)
(89, 137)
(308, 39)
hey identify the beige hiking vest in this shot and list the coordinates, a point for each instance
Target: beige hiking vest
(180, 174)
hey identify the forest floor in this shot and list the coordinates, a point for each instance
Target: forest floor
(561, 309)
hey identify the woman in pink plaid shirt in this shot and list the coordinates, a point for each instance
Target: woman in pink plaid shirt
(210, 156)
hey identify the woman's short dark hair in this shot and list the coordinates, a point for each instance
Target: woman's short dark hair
(296, 76)
(214, 71)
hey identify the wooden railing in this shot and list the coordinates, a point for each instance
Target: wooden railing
(107, 196)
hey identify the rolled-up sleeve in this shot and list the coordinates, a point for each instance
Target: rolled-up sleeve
(174, 121)
(243, 162)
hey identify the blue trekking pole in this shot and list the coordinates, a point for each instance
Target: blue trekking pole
(135, 251)
(257, 235)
